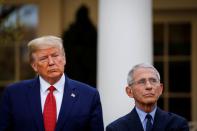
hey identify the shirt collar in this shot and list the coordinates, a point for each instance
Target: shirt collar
(59, 85)
(143, 114)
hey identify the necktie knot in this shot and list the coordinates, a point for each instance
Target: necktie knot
(148, 117)
(51, 88)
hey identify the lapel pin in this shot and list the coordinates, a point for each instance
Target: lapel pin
(73, 95)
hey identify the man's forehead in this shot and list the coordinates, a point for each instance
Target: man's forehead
(145, 69)
(144, 72)
(47, 51)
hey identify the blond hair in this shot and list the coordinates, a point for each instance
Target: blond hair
(43, 43)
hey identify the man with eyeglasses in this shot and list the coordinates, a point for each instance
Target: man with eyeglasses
(145, 87)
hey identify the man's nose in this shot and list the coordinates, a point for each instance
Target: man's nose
(148, 84)
(51, 61)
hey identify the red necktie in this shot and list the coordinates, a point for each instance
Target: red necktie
(49, 113)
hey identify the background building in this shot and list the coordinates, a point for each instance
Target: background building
(173, 46)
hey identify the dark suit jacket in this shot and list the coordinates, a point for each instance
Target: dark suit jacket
(163, 121)
(20, 108)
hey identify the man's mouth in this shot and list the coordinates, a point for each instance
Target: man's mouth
(52, 70)
(149, 94)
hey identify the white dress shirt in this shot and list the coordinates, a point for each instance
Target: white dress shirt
(58, 93)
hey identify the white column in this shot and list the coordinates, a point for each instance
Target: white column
(124, 39)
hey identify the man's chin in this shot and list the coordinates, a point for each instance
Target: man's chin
(55, 75)
(150, 102)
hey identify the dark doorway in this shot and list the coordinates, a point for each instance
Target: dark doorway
(80, 42)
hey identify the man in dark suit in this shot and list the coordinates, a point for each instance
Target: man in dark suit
(145, 87)
(68, 105)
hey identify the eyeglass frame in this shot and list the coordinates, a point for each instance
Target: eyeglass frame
(143, 81)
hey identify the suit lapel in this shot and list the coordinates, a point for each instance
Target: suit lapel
(134, 122)
(34, 99)
(159, 124)
(69, 98)
(159, 120)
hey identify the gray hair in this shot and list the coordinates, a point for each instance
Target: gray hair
(43, 43)
(130, 78)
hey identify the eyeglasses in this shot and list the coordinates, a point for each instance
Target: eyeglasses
(143, 82)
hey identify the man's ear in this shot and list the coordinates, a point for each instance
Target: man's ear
(64, 57)
(129, 91)
(161, 88)
(34, 66)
